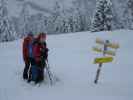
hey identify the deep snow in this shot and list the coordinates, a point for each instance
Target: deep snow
(71, 59)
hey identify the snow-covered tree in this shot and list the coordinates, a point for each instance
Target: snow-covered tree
(37, 23)
(84, 14)
(128, 15)
(130, 6)
(23, 20)
(103, 16)
(117, 16)
(7, 32)
(54, 21)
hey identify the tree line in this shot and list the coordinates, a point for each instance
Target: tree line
(83, 15)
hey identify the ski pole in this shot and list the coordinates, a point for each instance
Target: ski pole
(49, 73)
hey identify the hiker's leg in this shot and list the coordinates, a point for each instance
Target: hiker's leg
(32, 63)
(25, 72)
(40, 76)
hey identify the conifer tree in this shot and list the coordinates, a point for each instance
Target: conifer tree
(6, 29)
(103, 16)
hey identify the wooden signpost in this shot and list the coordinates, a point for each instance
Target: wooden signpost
(105, 59)
(108, 52)
(107, 43)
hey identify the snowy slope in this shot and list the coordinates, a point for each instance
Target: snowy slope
(71, 59)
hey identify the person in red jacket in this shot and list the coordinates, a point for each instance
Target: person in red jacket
(40, 52)
(27, 54)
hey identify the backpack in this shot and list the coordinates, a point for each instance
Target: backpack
(30, 50)
(44, 54)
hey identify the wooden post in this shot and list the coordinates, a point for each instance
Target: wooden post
(100, 64)
(98, 73)
(106, 44)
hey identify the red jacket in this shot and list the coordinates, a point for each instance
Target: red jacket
(37, 51)
(26, 42)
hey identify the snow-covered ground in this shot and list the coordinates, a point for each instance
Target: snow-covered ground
(71, 59)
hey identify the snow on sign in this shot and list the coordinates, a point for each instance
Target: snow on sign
(106, 44)
(103, 60)
(108, 52)
(111, 45)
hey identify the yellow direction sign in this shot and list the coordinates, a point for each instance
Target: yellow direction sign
(108, 52)
(111, 45)
(103, 60)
